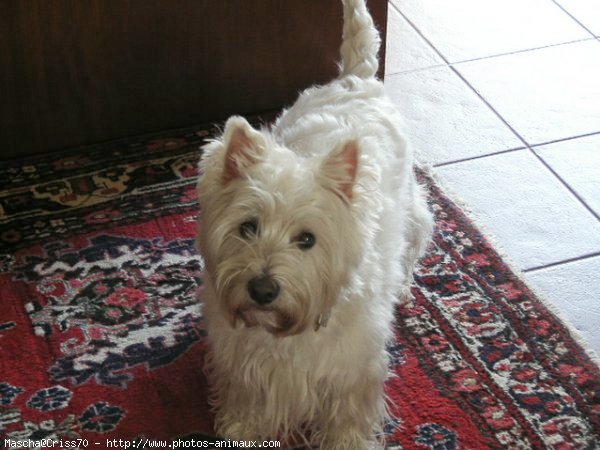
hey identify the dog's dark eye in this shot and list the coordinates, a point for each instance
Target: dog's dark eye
(305, 240)
(249, 229)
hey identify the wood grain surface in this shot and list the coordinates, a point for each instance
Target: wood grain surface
(75, 72)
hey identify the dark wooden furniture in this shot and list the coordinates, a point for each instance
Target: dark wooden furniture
(75, 72)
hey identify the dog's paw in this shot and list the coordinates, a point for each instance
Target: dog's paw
(236, 430)
(350, 441)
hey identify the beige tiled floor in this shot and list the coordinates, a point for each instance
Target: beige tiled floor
(504, 100)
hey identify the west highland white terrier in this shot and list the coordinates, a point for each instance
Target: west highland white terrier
(309, 232)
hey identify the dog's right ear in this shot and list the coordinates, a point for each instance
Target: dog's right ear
(243, 147)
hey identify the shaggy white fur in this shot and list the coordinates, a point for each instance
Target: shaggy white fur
(309, 231)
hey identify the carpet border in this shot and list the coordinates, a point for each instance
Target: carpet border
(455, 198)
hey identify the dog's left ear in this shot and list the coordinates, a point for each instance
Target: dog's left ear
(339, 169)
(243, 147)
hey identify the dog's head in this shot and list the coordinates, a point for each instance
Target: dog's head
(277, 230)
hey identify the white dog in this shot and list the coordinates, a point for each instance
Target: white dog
(309, 231)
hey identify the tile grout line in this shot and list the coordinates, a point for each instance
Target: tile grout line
(489, 105)
(523, 141)
(451, 67)
(573, 17)
(413, 26)
(514, 149)
(530, 148)
(570, 138)
(562, 262)
(495, 55)
(471, 158)
(564, 182)
(526, 145)
(418, 69)
(516, 52)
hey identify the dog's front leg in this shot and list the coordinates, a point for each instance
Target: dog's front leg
(351, 419)
(234, 424)
(236, 412)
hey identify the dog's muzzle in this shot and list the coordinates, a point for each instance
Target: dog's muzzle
(263, 290)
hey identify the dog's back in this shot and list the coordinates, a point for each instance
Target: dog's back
(353, 104)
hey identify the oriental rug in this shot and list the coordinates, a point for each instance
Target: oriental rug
(102, 339)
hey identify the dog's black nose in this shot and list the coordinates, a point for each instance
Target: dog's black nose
(263, 290)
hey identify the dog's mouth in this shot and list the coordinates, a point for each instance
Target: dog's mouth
(274, 321)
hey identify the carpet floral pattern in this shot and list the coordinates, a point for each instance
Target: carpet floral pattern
(101, 333)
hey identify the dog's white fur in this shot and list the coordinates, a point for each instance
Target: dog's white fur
(312, 363)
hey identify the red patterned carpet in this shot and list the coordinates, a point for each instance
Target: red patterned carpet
(101, 335)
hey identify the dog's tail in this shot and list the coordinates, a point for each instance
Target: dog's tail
(360, 41)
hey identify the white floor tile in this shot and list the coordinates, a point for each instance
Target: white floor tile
(545, 94)
(586, 11)
(574, 289)
(468, 29)
(519, 202)
(405, 49)
(577, 161)
(446, 120)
